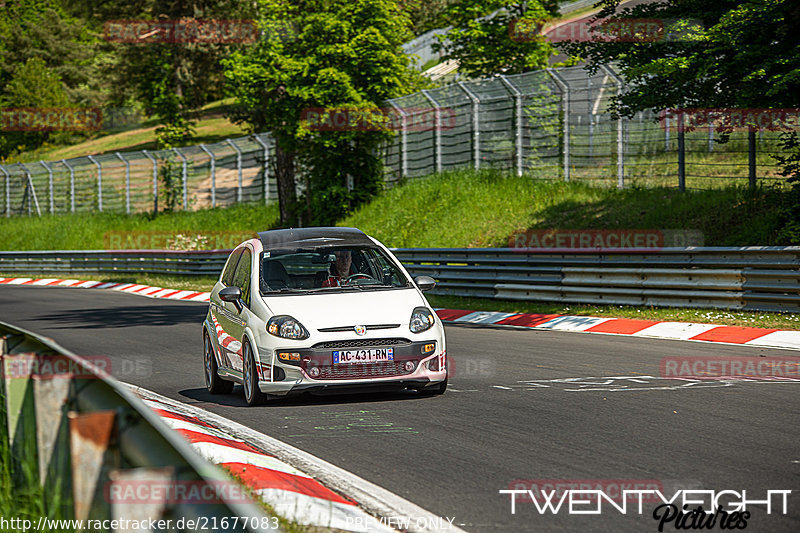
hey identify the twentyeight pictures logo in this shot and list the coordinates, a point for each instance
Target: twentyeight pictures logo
(680, 509)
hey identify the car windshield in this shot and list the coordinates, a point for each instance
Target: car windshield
(329, 269)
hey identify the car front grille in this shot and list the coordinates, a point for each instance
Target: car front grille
(359, 343)
(364, 371)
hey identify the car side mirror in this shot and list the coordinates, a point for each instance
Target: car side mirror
(233, 295)
(425, 283)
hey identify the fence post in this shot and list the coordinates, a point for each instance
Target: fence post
(8, 190)
(32, 190)
(183, 177)
(517, 123)
(213, 175)
(155, 180)
(562, 85)
(476, 125)
(710, 136)
(437, 137)
(751, 157)
(71, 185)
(99, 183)
(49, 184)
(681, 156)
(266, 167)
(403, 140)
(127, 183)
(666, 133)
(239, 170)
(620, 130)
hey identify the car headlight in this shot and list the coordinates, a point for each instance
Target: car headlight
(421, 320)
(286, 327)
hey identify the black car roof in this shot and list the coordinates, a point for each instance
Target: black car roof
(305, 237)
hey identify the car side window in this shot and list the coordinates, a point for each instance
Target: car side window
(242, 277)
(230, 267)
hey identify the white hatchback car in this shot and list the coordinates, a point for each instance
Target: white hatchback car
(320, 310)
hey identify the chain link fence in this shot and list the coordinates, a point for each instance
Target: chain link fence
(193, 177)
(556, 124)
(551, 124)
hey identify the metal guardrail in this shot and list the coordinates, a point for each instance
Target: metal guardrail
(755, 277)
(92, 438)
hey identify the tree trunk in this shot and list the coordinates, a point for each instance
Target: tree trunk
(287, 192)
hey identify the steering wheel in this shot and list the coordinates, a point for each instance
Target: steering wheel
(356, 276)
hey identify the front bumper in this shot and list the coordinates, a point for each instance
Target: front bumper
(296, 379)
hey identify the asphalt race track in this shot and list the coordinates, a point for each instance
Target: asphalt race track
(510, 413)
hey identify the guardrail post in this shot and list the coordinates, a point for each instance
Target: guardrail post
(8, 191)
(20, 414)
(403, 140)
(71, 185)
(751, 158)
(517, 123)
(157, 501)
(49, 184)
(51, 393)
(155, 180)
(562, 85)
(238, 169)
(30, 190)
(213, 174)
(99, 183)
(92, 437)
(476, 124)
(620, 130)
(437, 132)
(127, 183)
(266, 167)
(184, 171)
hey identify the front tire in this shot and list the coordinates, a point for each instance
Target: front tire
(214, 383)
(252, 394)
(435, 390)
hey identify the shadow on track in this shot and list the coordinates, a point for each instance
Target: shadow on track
(236, 398)
(127, 316)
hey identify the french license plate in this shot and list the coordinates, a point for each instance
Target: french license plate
(370, 355)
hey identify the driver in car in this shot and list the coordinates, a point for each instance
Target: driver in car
(340, 269)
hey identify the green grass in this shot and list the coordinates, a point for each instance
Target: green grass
(469, 209)
(753, 319)
(96, 231)
(21, 495)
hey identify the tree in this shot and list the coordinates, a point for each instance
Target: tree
(331, 54)
(483, 41)
(169, 76)
(44, 63)
(727, 53)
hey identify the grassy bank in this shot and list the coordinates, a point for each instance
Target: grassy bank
(99, 231)
(468, 209)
